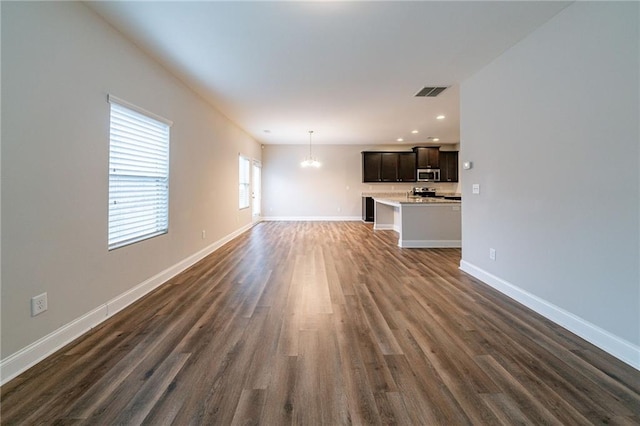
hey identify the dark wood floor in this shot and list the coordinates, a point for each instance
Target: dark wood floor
(325, 323)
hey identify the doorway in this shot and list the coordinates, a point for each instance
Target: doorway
(256, 190)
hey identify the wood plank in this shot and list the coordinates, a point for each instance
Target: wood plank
(141, 404)
(376, 322)
(506, 409)
(307, 398)
(534, 409)
(280, 394)
(378, 373)
(249, 407)
(360, 399)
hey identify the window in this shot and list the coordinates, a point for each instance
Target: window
(138, 174)
(245, 182)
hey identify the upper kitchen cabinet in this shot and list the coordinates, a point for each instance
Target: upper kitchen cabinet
(388, 166)
(406, 166)
(448, 166)
(371, 164)
(427, 157)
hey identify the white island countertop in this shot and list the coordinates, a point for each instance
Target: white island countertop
(398, 200)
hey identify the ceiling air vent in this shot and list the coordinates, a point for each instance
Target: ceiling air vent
(430, 91)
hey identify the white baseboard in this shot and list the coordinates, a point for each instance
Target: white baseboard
(608, 342)
(429, 243)
(385, 227)
(312, 218)
(30, 355)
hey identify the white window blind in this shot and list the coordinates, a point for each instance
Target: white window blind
(245, 182)
(138, 174)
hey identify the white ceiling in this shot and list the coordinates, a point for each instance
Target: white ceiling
(347, 70)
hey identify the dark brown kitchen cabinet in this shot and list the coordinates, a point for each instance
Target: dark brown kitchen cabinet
(428, 157)
(448, 166)
(388, 166)
(371, 162)
(406, 166)
(367, 209)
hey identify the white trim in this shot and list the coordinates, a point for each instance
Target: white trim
(608, 342)
(116, 100)
(429, 243)
(312, 218)
(30, 355)
(386, 201)
(385, 227)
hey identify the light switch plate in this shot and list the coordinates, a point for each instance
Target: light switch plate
(475, 188)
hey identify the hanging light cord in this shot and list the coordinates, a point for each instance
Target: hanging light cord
(311, 161)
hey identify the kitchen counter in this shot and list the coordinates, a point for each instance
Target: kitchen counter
(414, 200)
(384, 193)
(420, 222)
(393, 194)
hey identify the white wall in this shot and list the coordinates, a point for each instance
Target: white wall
(331, 192)
(552, 129)
(59, 62)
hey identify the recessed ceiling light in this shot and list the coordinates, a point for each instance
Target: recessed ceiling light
(414, 131)
(436, 139)
(400, 139)
(440, 117)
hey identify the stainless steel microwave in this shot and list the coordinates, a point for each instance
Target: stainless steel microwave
(428, 175)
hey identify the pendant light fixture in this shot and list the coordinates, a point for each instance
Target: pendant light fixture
(310, 161)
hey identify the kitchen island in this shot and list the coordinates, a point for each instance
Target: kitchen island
(421, 222)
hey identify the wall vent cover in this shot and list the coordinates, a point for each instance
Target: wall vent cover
(430, 91)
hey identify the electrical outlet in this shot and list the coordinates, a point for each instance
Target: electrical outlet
(38, 304)
(475, 188)
(204, 234)
(492, 254)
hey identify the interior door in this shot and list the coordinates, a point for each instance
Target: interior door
(256, 190)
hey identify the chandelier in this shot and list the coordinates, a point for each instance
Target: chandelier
(310, 161)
